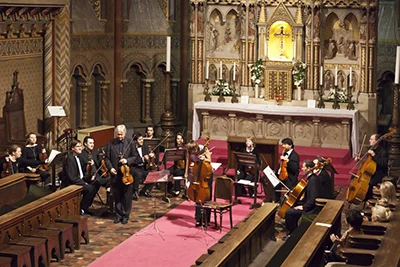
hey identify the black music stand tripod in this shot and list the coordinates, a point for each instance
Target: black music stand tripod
(155, 177)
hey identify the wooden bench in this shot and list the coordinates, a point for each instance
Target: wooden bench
(244, 242)
(309, 251)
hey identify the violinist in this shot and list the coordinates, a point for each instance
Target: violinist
(313, 191)
(122, 193)
(74, 173)
(178, 169)
(381, 157)
(292, 160)
(326, 178)
(31, 158)
(244, 173)
(196, 153)
(141, 156)
(9, 164)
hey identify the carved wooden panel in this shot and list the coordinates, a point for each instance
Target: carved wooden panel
(278, 81)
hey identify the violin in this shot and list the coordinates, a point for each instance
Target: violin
(151, 166)
(7, 166)
(295, 194)
(199, 191)
(283, 175)
(43, 157)
(103, 166)
(366, 169)
(127, 177)
(90, 169)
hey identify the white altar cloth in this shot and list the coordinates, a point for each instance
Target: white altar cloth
(264, 109)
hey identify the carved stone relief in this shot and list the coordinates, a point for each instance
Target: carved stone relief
(302, 130)
(246, 127)
(331, 133)
(219, 126)
(274, 129)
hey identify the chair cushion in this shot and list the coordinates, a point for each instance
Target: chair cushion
(230, 172)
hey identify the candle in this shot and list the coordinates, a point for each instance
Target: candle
(220, 70)
(207, 67)
(234, 70)
(397, 72)
(336, 76)
(351, 76)
(321, 76)
(168, 53)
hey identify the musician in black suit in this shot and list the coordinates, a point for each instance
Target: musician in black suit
(74, 173)
(325, 174)
(122, 193)
(292, 166)
(140, 166)
(312, 191)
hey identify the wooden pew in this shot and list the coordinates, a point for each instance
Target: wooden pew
(12, 189)
(309, 251)
(243, 244)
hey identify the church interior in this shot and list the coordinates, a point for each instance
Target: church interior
(323, 73)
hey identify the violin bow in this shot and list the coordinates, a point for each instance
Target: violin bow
(162, 141)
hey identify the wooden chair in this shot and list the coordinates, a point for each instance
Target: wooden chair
(223, 190)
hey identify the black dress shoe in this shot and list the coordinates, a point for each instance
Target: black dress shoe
(124, 220)
(142, 193)
(85, 213)
(147, 194)
(198, 224)
(135, 196)
(118, 220)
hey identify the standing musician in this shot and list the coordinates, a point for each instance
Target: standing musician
(9, 164)
(141, 157)
(91, 156)
(178, 169)
(381, 157)
(31, 158)
(122, 193)
(313, 191)
(292, 160)
(194, 154)
(74, 173)
(244, 172)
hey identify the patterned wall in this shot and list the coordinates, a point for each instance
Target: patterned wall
(158, 95)
(130, 98)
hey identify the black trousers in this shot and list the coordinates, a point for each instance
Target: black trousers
(203, 215)
(88, 194)
(122, 195)
(175, 171)
(139, 174)
(292, 217)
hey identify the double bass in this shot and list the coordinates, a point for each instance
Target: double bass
(360, 181)
(199, 191)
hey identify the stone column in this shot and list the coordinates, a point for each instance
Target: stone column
(394, 140)
(316, 141)
(345, 133)
(168, 118)
(260, 120)
(205, 120)
(84, 92)
(104, 105)
(287, 126)
(232, 124)
(147, 104)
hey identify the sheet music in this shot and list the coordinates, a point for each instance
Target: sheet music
(56, 111)
(271, 176)
(53, 154)
(215, 165)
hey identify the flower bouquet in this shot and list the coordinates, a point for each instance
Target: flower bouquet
(299, 73)
(223, 86)
(256, 71)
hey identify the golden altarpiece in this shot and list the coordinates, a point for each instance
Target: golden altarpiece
(331, 37)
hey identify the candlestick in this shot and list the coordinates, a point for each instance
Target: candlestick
(397, 72)
(351, 77)
(321, 76)
(168, 53)
(234, 70)
(207, 68)
(336, 76)
(220, 70)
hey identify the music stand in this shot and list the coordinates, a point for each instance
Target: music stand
(56, 112)
(247, 160)
(155, 177)
(172, 154)
(56, 158)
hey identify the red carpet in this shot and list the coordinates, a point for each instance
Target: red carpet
(183, 243)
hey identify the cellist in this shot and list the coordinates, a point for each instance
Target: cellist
(196, 153)
(381, 157)
(292, 160)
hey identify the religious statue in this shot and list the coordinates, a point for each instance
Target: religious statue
(328, 80)
(363, 26)
(282, 35)
(317, 24)
(340, 79)
(371, 25)
(228, 36)
(192, 19)
(332, 49)
(213, 38)
(308, 25)
(342, 46)
(252, 22)
(351, 50)
(200, 19)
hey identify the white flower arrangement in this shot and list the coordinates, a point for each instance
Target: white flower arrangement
(342, 95)
(222, 85)
(299, 73)
(256, 71)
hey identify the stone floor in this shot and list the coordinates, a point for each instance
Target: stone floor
(105, 235)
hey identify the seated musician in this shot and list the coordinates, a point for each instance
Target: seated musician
(292, 166)
(312, 191)
(178, 169)
(247, 173)
(33, 159)
(74, 173)
(149, 133)
(194, 154)
(354, 220)
(325, 177)
(142, 159)
(9, 164)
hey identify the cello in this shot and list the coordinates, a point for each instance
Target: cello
(366, 169)
(283, 175)
(295, 194)
(199, 191)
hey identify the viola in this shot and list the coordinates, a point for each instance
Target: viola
(127, 177)
(283, 175)
(366, 169)
(43, 157)
(199, 191)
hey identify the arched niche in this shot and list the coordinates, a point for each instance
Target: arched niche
(280, 44)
